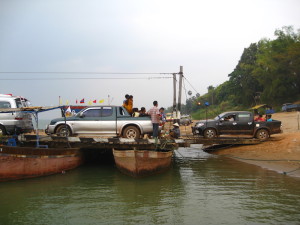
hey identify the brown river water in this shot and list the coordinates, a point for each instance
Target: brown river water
(199, 189)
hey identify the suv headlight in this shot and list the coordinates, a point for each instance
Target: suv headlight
(199, 124)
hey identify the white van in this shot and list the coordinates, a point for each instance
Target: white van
(14, 122)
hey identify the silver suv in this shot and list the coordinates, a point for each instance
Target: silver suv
(14, 122)
(101, 120)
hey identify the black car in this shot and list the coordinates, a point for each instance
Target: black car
(237, 122)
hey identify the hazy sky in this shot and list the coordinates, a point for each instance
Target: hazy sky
(207, 38)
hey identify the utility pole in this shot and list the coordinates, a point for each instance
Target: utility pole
(179, 93)
(174, 96)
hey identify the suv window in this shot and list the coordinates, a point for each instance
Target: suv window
(244, 116)
(107, 111)
(92, 113)
(5, 104)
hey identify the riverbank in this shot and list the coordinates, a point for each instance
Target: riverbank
(281, 153)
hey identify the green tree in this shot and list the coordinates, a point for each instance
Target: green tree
(244, 85)
(277, 66)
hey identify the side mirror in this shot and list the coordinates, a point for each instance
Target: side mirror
(221, 119)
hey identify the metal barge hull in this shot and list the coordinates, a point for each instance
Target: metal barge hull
(27, 162)
(140, 163)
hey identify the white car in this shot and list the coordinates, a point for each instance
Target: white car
(14, 122)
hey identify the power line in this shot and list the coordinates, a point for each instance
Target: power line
(100, 73)
(86, 78)
(191, 85)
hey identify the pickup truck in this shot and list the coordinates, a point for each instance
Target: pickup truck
(101, 120)
(288, 107)
(237, 122)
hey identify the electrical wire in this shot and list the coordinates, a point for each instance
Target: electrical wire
(103, 73)
(86, 78)
(191, 85)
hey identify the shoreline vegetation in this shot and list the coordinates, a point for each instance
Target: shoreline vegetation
(281, 153)
(267, 73)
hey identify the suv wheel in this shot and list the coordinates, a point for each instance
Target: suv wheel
(131, 132)
(210, 133)
(63, 131)
(262, 134)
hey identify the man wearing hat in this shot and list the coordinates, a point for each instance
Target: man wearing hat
(175, 132)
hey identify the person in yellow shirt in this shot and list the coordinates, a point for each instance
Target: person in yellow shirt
(128, 104)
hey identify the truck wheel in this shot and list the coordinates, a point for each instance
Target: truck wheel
(63, 131)
(2, 130)
(131, 132)
(210, 133)
(262, 134)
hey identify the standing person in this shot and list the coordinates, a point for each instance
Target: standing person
(154, 113)
(162, 116)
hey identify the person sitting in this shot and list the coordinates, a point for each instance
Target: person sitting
(175, 132)
(135, 112)
(229, 118)
(126, 98)
(143, 112)
(260, 118)
(269, 118)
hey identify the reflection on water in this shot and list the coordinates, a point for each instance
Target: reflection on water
(198, 189)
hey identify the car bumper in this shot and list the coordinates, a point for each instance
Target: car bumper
(197, 131)
(50, 129)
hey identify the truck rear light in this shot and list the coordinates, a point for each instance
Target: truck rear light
(18, 118)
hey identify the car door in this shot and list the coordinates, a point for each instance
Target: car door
(228, 124)
(108, 121)
(88, 122)
(245, 123)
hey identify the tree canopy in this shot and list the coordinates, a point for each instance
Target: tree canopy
(267, 72)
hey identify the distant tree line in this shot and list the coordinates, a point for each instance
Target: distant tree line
(267, 72)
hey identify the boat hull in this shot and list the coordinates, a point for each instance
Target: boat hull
(139, 163)
(26, 162)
